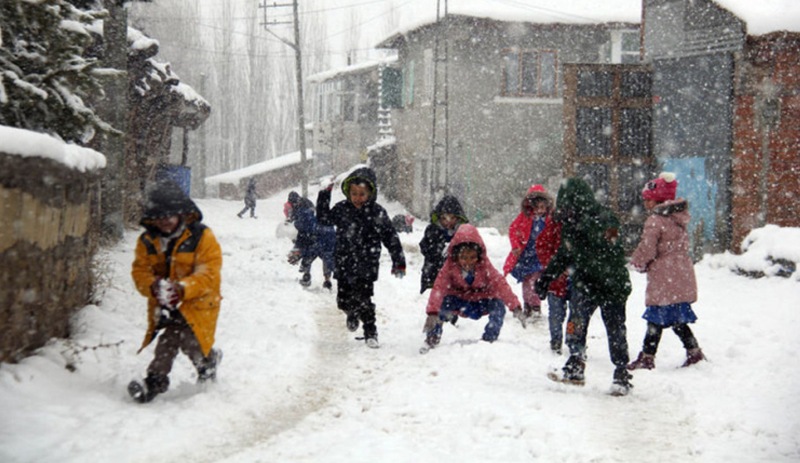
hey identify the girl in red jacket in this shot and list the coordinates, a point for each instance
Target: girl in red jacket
(547, 244)
(522, 262)
(469, 286)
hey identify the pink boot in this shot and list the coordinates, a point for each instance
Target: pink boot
(693, 356)
(645, 361)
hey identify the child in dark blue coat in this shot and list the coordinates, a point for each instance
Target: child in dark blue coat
(362, 225)
(445, 220)
(313, 240)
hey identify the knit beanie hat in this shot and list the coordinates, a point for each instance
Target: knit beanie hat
(661, 189)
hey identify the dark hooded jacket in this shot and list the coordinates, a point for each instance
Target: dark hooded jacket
(302, 215)
(590, 247)
(360, 231)
(436, 239)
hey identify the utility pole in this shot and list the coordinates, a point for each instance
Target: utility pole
(440, 143)
(203, 160)
(301, 120)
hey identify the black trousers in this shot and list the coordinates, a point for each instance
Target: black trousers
(653, 337)
(355, 299)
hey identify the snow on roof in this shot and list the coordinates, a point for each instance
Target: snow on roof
(190, 95)
(26, 143)
(765, 16)
(353, 68)
(388, 141)
(139, 41)
(235, 176)
(528, 11)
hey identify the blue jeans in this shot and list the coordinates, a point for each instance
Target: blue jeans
(581, 310)
(453, 306)
(556, 314)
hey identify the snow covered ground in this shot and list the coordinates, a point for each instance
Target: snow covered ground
(295, 386)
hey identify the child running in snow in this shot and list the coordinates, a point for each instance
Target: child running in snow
(468, 285)
(362, 225)
(522, 262)
(313, 240)
(445, 220)
(663, 253)
(177, 267)
(591, 249)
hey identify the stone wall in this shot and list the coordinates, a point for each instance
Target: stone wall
(47, 241)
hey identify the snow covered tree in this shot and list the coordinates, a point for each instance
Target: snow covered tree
(47, 78)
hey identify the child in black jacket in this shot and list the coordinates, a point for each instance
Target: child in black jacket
(445, 220)
(362, 225)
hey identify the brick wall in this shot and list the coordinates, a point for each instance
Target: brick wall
(765, 177)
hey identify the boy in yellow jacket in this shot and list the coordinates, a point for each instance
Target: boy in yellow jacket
(177, 267)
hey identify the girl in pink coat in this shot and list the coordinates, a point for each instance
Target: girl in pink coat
(469, 286)
(663, 253)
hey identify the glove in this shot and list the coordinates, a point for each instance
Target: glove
(519, 315)
(329, 187)
(399, 271)
(541, 286)
(430, 323)
(294, 256)
(170, 293)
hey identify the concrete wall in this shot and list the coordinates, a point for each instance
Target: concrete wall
(498, 146)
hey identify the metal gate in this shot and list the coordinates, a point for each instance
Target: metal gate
(608, 135)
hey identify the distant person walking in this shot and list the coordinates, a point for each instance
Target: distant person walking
(663, 253)
(249, 199)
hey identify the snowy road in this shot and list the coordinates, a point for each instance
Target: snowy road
(295, 386)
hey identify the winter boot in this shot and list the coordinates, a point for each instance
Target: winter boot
(573, 371)
(145, 391)
(208, 370)
(432, 340)
(352, 321)
(306, 279)
(371, 335)
(645, 361)
(621, 385)
(693, 356)
(531, 312)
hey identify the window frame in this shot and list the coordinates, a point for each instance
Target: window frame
(521, 67)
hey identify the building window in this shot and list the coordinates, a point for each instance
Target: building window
(624, 47)
(530, 73)
(348, 101)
